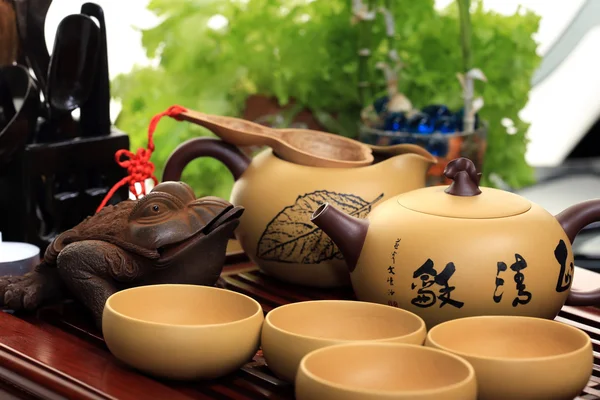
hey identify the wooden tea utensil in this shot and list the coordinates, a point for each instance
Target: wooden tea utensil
(300, 146)
(70, 75)
(31, 17)
(20, 100)
(95, 112)
(7, 106)
(73, 63)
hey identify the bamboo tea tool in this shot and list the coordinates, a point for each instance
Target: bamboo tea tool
(300, 146)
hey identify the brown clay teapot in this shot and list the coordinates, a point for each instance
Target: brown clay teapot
(446, 252)
(279, 198)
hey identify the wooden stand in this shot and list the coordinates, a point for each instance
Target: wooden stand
(58, 353)
(51, 187)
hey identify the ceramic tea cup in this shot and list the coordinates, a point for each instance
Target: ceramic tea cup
(519, 357)
(378, 371)
(182, 332)
(294, 330)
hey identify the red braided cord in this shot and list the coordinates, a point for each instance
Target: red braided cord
(139, 167)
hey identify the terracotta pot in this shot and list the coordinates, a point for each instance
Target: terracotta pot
(258, 106)
(279, 197)
(447, 252)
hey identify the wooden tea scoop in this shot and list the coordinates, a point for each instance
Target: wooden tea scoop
(300, 146)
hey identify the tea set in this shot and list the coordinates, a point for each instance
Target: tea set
(457, 285)
(280, 196)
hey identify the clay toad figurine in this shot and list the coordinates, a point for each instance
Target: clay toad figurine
(168, 236)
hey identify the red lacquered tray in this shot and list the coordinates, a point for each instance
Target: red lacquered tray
(58, 353)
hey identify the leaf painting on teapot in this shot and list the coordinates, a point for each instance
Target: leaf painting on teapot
(291, 238)
(523, 296)
(565, 277)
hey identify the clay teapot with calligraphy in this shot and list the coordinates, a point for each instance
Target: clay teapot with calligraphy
(446, 252)
(280, 197)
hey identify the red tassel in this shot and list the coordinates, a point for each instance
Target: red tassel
(139, 167)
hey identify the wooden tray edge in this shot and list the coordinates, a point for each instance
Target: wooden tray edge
(36, 378)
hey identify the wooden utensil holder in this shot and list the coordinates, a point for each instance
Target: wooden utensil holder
(51, 187)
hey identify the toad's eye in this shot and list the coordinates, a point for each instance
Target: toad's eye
(153, 210)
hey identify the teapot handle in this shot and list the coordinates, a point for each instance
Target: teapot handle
(188, 151)
(573, 220)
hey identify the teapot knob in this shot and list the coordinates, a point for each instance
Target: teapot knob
(465, 178)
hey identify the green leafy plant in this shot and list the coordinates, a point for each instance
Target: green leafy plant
(307, 51)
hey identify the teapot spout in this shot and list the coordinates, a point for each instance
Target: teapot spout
(347, 232)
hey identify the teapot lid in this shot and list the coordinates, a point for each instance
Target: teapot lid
(464, 198)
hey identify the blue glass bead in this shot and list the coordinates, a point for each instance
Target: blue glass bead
(445, 124)
(420, 123)
(395, 122)
(438, 147)
(380, 105)
(436, 111)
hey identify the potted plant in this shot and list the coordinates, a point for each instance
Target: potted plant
(299, 60)
(392, 118)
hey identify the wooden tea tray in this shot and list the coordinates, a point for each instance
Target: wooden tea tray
(58, 353)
